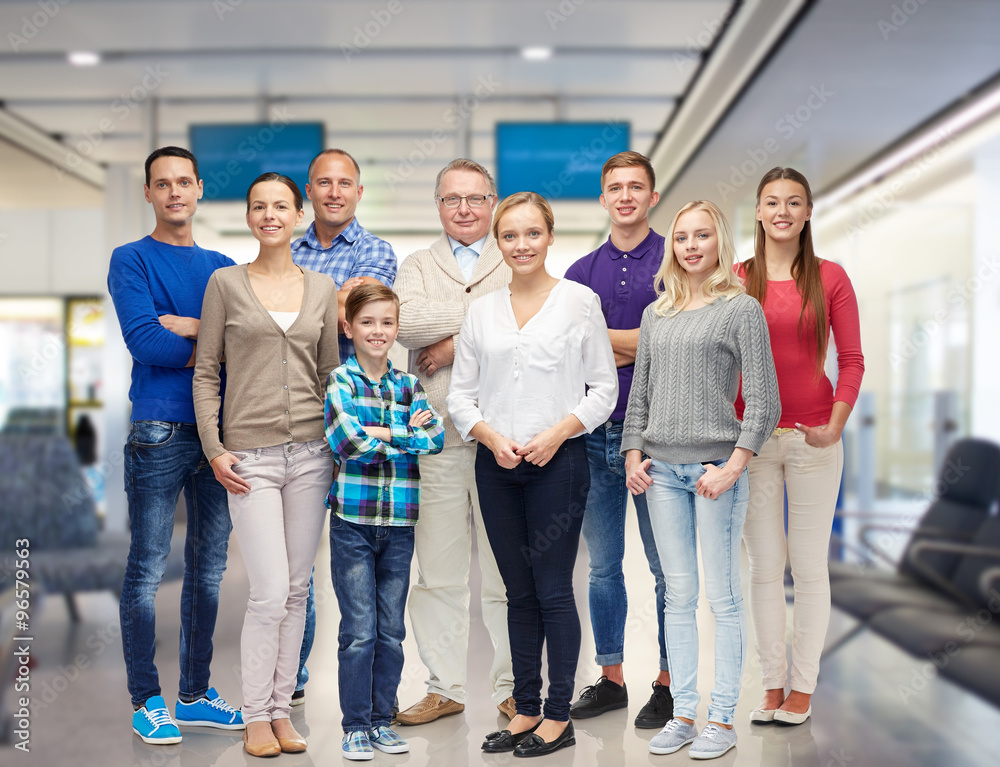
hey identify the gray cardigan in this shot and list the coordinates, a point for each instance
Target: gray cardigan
(275, 381)
(687, 375)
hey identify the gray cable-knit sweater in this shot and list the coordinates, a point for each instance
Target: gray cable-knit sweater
(687, 374)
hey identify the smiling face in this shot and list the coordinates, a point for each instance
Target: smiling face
(173, 190)
(783, 209)
(627, 196)
(271, 213)
(524, 239)
(335, 191)
(696, 245)
(373, 329)
(465, 223)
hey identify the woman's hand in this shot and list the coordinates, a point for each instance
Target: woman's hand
(636, 479)
(420, 417)
(715, 481)
(820, 436)
(229, 479)
(542, 446)
(506, 451)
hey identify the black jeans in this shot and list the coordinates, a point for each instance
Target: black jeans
(533, 517)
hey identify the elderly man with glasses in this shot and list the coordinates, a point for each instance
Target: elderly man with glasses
(435, 287)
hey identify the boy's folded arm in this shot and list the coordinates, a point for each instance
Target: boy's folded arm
(420, 440)
(346, 435)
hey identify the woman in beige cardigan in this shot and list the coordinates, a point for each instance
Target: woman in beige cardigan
(276, 324)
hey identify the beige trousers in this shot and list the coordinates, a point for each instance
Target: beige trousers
(439, 599)
(812, 478)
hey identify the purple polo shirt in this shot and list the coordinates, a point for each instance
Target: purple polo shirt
(624, 282)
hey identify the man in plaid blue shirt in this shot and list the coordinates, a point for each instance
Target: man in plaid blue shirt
(335, 243)
(377, 421)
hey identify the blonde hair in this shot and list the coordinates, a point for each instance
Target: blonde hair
(671, 281)
(523, 198)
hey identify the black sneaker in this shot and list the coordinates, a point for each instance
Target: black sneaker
(299, 697)
(603, 695)
(658, 711)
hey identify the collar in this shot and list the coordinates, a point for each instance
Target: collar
(638, 251)
(477, 246)
(351, 234)
(354, 367)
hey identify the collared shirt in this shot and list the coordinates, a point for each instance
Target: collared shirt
(355, 252)
(466, 260)
(379, 482)
(522, 381)
(623, 280)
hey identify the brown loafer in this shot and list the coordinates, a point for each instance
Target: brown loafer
(432, 707)
(270, 748)
(508, 708)
(292, 745)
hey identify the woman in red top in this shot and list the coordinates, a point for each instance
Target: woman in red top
(804, 298)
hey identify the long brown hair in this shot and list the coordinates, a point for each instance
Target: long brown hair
(805, 269)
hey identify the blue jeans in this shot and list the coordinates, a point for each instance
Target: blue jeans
(532, 516)
(604, 534)
(161, 460)
(676, 512)
(370, 565)
(309, 636)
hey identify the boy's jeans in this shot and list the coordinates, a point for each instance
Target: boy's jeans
(370, 565)
(676, 512)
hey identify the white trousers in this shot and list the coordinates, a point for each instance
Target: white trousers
(439, 599)
(812, 478)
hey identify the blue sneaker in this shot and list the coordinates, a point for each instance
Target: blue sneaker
(153, 724)
(387, 741)
(357, 747)
(210, 711)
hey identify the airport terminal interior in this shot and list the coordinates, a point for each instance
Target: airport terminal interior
(891, 109)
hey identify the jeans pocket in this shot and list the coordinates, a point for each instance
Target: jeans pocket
(151, 433)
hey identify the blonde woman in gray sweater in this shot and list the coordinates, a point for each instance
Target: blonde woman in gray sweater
(276, 324)
(685, 449)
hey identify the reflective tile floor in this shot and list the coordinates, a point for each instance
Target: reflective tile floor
(862, 712)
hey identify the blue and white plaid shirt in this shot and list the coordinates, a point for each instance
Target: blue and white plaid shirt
(379, 482)
(355, 252)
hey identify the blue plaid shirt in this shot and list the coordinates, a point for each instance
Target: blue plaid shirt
(355, 252)
(379, 482)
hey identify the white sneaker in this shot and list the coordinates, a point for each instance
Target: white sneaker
(674, 736)
(714, 741)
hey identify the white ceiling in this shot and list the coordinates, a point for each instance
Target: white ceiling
(385, 77)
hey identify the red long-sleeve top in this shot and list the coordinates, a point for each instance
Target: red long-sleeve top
(805, 397)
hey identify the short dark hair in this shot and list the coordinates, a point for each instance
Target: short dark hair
(171, 151)
(629, 159)
(271, 176)
(365, 294)
(342, 153)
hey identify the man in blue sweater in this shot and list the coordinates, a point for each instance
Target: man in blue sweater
(157, 285)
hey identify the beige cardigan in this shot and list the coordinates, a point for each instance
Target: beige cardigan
(434, 298)
(275, 381)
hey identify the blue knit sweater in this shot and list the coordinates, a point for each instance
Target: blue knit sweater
(146, 279)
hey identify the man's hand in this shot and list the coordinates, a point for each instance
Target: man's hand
(222, 466)
(344, 292)
(186, 327)
(636, 479)
(436, 356)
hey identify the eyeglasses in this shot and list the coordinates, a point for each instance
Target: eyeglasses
(474, 200)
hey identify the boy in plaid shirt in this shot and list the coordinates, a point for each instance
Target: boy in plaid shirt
(378, 421)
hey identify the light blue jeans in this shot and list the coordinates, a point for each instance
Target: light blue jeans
(676, 512)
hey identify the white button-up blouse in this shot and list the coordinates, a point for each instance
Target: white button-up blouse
(524, 381)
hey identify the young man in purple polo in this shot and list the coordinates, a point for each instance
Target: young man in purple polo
(621, 273)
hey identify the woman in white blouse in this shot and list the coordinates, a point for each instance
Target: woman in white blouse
(533, 371)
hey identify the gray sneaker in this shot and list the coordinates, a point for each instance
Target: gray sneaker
(675, 735)
(714, 741)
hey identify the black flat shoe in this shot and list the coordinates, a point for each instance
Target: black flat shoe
(535, 746)
(505, 740)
